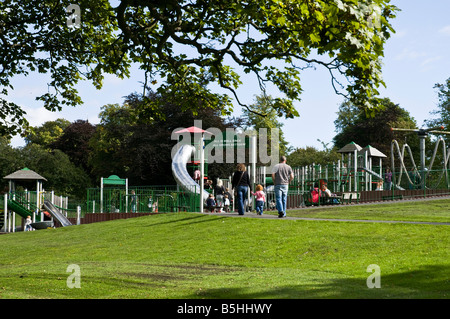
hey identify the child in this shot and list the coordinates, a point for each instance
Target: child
(316, 193)
(260, 199)
(211, 203)
(226, 203)
(28, 224)
(380, 185)
(272, 204)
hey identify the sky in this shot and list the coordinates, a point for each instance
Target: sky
(416, 58)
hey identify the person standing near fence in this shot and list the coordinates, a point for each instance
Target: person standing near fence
(219, 191)
(282, 175)
(388, 179)
(133, 201)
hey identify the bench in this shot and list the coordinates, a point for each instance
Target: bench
(332, 200)
(347, 198)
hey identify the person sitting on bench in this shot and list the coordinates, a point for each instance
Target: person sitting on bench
(210, 203)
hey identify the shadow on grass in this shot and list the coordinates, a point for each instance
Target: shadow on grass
(185, 281)
(191, 220)
(174, 221)
(429, 282)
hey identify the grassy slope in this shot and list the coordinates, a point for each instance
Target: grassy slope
(187, 255)
(428, 211)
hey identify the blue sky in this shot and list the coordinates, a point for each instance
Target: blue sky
(416, 58)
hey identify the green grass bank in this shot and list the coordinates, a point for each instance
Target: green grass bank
(189, 255)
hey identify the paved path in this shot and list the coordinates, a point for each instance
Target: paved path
(268, 216)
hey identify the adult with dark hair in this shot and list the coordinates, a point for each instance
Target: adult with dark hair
(241, 185)
(388, 179)
(282, 175)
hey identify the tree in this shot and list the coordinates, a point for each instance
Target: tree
(62, 175)
(443, 110)
(310, 155)
(186, 46)
(47, 133)
(9, 161)
(263, 105)
(128, 145)
(74, 142)
(352, 125)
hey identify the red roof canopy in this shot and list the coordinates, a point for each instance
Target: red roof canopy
(192, 129)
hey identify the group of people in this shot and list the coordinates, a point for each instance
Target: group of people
(282, 175)
(222, 201)
(323, 194)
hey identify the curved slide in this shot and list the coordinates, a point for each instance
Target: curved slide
(56, 214)
(180, 172)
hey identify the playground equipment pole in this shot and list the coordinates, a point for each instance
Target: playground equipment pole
(422, 136)
(78, 215)
(202, 170)
(5, 213)
(253, 161)
(253, 158)
(101, 194)
(423, 133)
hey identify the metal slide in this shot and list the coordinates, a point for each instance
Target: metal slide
(180, 172)
(381, 177)
(56, 214)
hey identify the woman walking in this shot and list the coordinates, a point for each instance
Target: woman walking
(241, 185)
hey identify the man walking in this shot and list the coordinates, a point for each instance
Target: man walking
(282, 175)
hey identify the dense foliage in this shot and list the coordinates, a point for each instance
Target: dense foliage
(185, 47)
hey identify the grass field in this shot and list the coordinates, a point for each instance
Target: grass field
(189, 255)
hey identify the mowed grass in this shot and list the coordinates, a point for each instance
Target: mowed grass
(189, 255)
(415, 211)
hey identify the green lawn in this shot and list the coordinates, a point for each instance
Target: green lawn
(416, 211)
(189, 255)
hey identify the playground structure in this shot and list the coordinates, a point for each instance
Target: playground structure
(423, 177)
(359, 175)
(41, 206)
(354, 178)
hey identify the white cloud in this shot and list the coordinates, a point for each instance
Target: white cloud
(431, 60)
(400, 34)
(410, 54)
(38, 116)
(430, 63)
(445, 30)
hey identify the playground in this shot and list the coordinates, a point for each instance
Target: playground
(359, 177)
(321, 250)
(43, 209)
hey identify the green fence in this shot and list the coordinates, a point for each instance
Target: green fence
(145, 199)
(349, 179)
